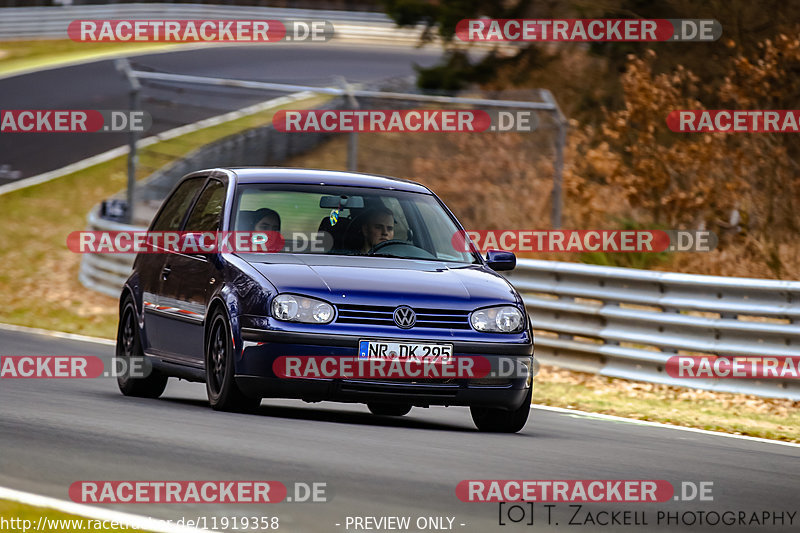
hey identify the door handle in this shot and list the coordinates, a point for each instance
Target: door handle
(165, 272)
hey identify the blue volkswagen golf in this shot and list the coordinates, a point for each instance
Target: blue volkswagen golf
(368, 266)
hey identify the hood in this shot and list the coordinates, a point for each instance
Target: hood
(376, 280)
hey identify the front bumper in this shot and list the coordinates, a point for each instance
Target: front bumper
(255, 375)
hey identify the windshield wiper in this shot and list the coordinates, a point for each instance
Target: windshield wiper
(422, 259)
(389, 255)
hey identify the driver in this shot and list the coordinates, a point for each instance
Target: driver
(378, 227)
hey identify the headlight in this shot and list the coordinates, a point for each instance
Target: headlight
(301, 309)
(500, 319)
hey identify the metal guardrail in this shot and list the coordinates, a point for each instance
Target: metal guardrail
(626, 323)
(52, 22)
(106, 273)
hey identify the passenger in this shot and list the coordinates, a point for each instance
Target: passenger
(266, 220)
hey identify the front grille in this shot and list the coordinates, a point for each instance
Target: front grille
(406, 382)
(405, 389)
(381, 315)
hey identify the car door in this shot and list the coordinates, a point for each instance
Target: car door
(189, 280)
(169, 218)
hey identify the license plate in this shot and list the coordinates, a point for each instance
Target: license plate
(405, 351)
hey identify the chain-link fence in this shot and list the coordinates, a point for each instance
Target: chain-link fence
(510, 173)
(490, 179)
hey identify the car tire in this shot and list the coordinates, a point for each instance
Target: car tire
(389, 409)
(129, 345)
(223, 394)
(493, 420)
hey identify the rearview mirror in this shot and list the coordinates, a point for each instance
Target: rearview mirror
(341, 202)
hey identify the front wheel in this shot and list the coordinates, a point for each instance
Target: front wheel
(389, 409)
(493, 420)
(129, 346)
(223, 394)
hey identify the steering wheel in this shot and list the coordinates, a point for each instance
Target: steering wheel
(384, 244)
(411, 251)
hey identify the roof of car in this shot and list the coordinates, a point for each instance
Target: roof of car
(327, 177)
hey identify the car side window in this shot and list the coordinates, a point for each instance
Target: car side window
(172, 215)
(207, 212)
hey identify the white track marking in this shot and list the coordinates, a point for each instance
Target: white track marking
(613, 418)
(97, 513)
(56, 334)
(170, 134)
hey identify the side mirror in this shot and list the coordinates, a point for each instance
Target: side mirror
(499, 260)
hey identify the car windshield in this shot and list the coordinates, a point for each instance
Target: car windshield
(319, 219)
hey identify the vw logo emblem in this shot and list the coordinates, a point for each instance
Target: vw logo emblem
(405, 317)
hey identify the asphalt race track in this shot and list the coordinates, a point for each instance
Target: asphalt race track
(55, 432)
(98, 85)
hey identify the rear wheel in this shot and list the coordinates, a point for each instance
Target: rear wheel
(493, 420)
(389, 409)
(223, 394)
(129, 346)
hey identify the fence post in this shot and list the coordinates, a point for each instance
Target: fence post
(561, 141)
(352, 141)
(558, 167)
(133, 136)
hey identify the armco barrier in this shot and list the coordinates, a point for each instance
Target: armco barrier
(52, 22)
(626, 323)
(106, 273)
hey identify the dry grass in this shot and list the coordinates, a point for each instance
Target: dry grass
(731, 413)
(20, 513)
(18, 56)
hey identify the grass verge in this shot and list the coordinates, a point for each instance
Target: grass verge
(21, 56)
(20, 517)
(739, 414)
(38, 281)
